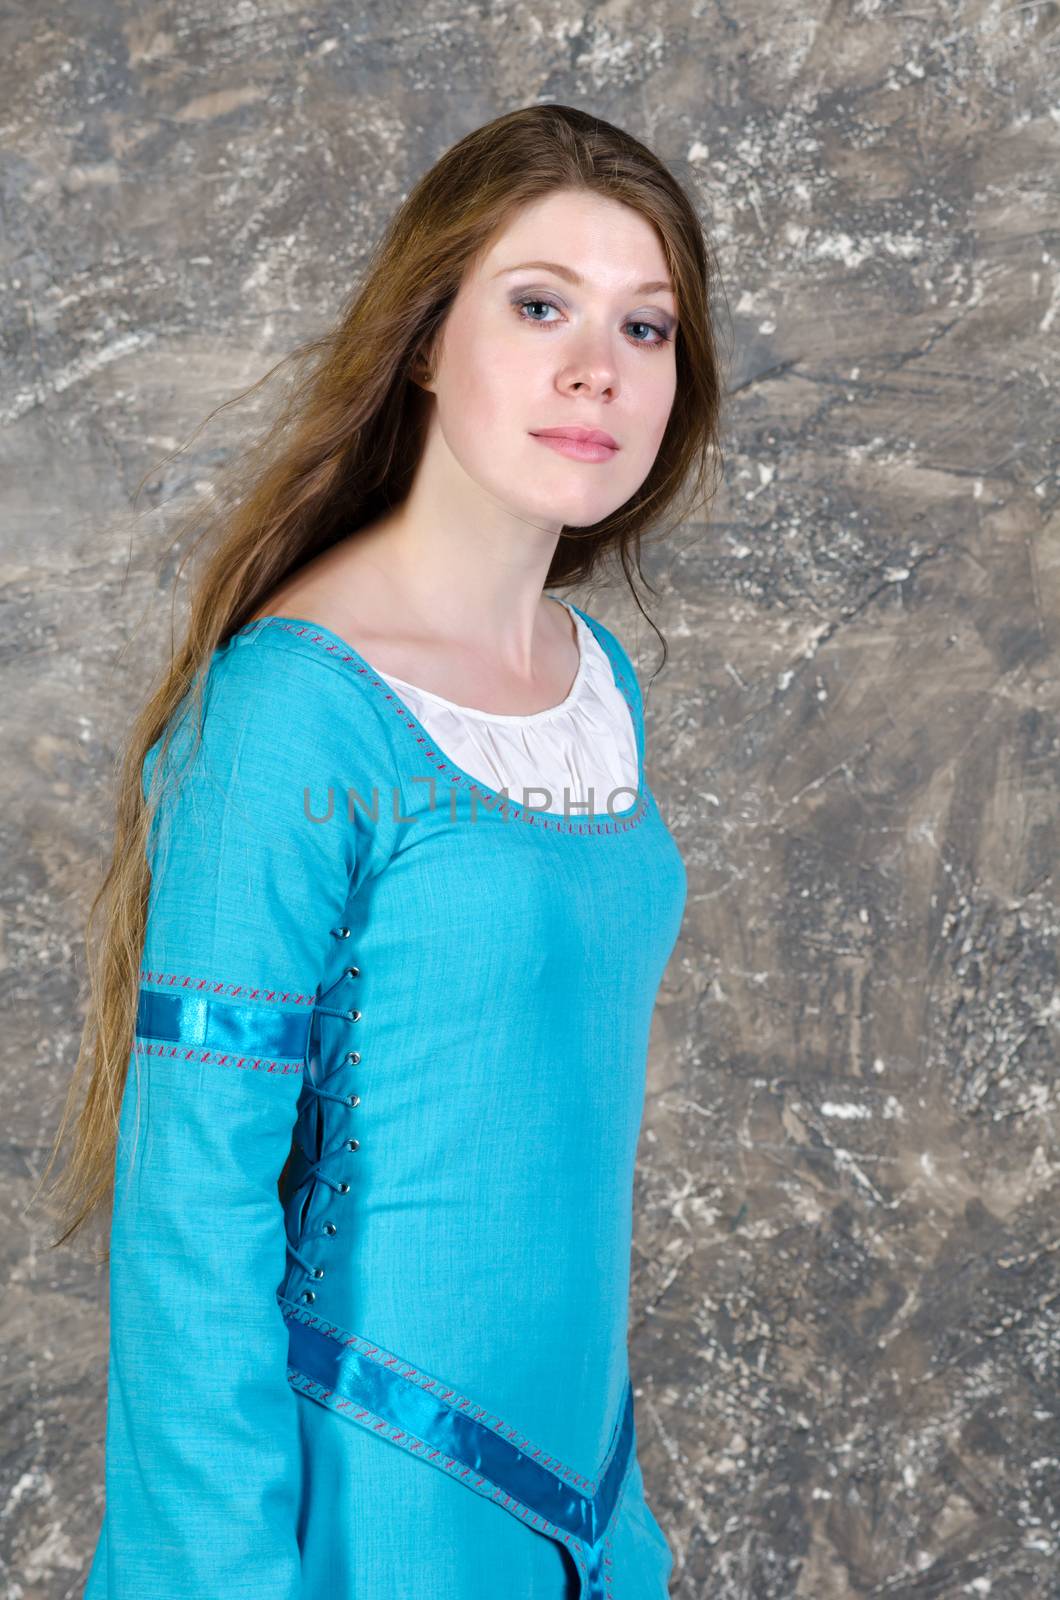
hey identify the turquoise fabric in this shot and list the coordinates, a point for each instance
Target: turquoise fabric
(445, 1001)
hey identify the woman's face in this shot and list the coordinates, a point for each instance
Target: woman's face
(529, 347)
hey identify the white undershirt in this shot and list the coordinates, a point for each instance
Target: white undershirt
(587, 741)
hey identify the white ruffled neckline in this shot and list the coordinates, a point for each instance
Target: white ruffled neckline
(587, 744)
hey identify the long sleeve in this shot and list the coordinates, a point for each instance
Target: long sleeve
(202, 1471)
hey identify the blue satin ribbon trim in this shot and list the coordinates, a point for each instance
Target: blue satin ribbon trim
(342, 1370)
(220, 1025)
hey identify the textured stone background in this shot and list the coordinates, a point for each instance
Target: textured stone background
(846, 1309)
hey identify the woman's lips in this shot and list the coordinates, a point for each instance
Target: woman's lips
(577, 449)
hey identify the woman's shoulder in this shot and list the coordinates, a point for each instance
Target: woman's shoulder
(297, 678)
(277, 699)
(285, 735)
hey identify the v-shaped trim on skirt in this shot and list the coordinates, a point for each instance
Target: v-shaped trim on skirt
(431, 1419)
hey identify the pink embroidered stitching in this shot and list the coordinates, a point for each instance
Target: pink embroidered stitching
(496, 1425)
(231, 991)
(151, 1047)
(533, 819)
(410, 1442)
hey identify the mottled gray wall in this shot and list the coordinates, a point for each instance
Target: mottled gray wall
(846, 1304)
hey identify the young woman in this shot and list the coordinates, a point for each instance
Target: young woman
(387, 920)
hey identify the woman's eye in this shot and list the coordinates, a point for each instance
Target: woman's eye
(664, 337)
(529, 302)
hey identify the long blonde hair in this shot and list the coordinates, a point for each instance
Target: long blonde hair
(341, 451)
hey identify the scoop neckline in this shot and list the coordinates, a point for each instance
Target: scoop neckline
(520, 719)
(554, 821)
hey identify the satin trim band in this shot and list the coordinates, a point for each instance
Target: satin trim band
(391, 1391)
(213, 1024)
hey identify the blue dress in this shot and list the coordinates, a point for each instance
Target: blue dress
(405, 1377)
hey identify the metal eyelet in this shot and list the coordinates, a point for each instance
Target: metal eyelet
(353, 1100)
(308, 1296)
(353, 1056)
(318, 1272)
(341, 933)
(329, 1227)
(353, 972)
(353, 1144)
(344, 1188)
(354, 1016)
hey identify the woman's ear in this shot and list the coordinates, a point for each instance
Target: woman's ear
(422, 371)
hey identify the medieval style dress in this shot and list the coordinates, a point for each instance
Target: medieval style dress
(405, 1375)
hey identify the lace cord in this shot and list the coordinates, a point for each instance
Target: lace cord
(316, 1171)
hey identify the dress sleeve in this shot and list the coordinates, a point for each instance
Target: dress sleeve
(202, 1464)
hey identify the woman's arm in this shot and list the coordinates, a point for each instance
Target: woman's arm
(202, 1456)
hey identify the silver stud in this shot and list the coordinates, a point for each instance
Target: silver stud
(329, 1227)
(318, 1272)
(342, 933)
(354, 1016)
(353, 1056)
(344, 1188)
(308, 1296)
(353, 1100)
(353, 1144)
(353, 972)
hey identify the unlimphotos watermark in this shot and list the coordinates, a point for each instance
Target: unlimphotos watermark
(477, 800)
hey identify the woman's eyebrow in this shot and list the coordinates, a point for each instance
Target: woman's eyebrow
(576, 277)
